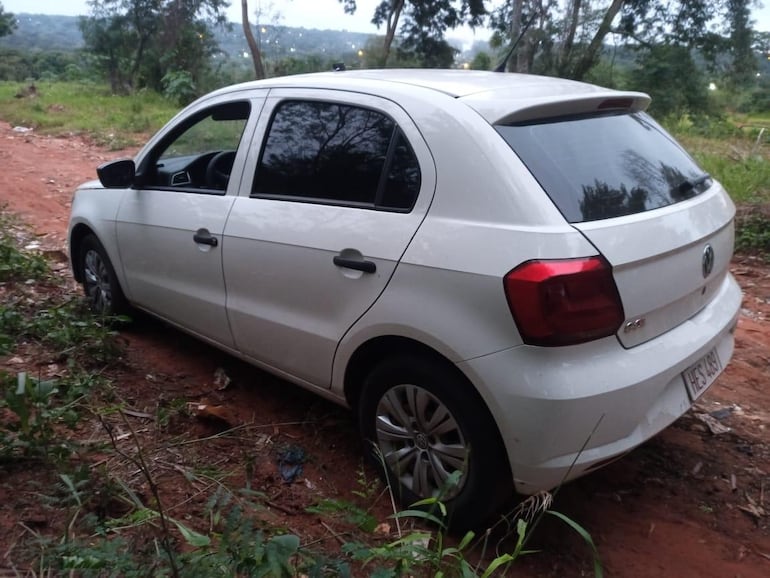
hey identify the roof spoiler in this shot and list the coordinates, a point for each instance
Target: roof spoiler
(578, 105)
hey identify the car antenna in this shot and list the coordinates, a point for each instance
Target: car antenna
(501, 67)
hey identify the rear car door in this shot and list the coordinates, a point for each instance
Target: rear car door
(335, 187)
(170, 228)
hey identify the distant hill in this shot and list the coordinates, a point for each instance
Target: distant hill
(42, 32)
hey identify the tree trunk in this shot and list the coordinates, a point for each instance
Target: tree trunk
(589, 57)
(518, 7)
(565, 54)
(256, 55)
(390, 33)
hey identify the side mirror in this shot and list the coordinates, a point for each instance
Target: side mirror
(117, 174)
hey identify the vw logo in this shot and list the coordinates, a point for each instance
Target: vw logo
(707, 262)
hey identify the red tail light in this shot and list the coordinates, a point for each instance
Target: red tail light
(564, 302)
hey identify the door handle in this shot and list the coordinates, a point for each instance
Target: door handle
(365, 266)
(203, 237)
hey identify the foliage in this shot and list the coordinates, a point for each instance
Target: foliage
(7, 22)
(39, 408)
(48, 65)
(36, 407)
(179, 87)
(482, 61)
(423, 25)
(659, 71)
(753, 230)
(139, 42)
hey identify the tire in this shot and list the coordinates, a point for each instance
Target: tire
(425, 421)
(100, 285)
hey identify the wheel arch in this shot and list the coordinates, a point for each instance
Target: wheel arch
(377, 349)
(78, 233)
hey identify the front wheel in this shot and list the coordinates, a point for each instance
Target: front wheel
(434, 438)
(100, 285)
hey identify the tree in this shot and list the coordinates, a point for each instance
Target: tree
(423, 25)
(389, 13)
(744, 63)
(139, 42)
(7, 22)
(256, 54)
(567, 37)
(659, 71)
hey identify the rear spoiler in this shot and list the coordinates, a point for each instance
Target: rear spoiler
(498, 110)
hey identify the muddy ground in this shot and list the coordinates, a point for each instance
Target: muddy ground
(690, 502)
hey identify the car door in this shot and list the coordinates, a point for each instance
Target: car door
(170, 227)
(338, 185)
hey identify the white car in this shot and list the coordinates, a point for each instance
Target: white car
(512, 280)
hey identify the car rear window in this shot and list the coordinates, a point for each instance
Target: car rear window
(606, 166)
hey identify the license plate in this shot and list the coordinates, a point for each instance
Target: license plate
(702, 373)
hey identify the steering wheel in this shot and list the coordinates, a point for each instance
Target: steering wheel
(218, 170)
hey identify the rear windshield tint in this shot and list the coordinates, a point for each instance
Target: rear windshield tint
(607, 166)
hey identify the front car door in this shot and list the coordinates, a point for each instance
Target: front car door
(170, 227)
(335, 186)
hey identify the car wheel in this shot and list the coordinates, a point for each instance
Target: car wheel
(100, 285)
(428, 424)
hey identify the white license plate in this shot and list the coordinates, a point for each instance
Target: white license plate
(702, 373)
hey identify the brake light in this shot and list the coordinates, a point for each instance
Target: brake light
(564, 302)
(615, 103)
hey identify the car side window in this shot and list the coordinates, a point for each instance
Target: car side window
(336, 154)
(198, 155)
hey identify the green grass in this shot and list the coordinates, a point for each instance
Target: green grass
(63, 108)
(739, 162)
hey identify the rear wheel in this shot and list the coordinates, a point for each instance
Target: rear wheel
(434, 438)
(100, 285)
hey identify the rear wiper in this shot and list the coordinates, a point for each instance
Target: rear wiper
(688, 185)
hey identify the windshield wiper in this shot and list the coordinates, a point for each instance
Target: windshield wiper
(688, 185)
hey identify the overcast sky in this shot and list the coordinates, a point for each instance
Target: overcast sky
(308, 13)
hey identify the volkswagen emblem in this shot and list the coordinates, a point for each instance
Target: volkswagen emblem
(707, 263)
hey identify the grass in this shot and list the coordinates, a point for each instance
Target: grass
(64, 108)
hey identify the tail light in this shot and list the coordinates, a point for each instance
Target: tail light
(564, 302)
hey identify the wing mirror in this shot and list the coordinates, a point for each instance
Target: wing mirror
(118, 174)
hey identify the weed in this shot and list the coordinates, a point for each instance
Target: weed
(32, 431)
(16, 264)
(753, 230)
(348, 511)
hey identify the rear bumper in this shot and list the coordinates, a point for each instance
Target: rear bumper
(562, 411)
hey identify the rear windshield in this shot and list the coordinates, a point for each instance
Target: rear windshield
(606, 166)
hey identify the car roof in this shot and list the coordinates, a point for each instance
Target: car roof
(496, 96)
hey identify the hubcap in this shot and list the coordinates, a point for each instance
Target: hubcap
(421, 441)
(97, 282)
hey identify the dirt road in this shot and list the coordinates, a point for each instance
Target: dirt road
(688, 503)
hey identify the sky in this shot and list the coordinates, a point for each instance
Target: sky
(306, 13)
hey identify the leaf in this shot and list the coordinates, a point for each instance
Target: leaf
(193, 538)
(431, 502)
(286, 542)
(583, 533)
(71, 487)
(466, 540)
(496, 563)
(418, 514)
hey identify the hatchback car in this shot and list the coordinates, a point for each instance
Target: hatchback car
(511, 280)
